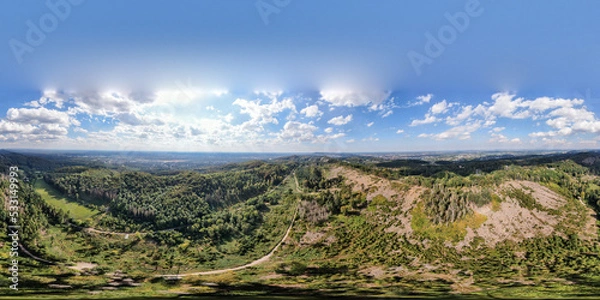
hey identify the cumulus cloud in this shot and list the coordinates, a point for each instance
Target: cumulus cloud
(428, 120)
(311, 111)
(462, 132)
(466, 112)
(500, 138)
(371, 139)
(564, 116)
(35, 124)
(297, 131)
(7, 127)
(423, 99)
(261, 114)
(294, 131)
(181, 95)
(352, 98)
(145, 119)
(105, 103)
(40, 115)
(136, 120)
(49, 96)
(430, 116)
(340, 120)
(440, 107)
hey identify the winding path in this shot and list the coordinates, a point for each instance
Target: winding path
(94, 230)
(37, 258)
(250, 264)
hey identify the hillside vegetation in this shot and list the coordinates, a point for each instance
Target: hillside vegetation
(518, 227)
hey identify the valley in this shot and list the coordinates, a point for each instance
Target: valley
(519, 225)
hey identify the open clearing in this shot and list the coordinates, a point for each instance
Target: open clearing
(54, 198)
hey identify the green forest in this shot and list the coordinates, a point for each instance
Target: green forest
(504, 227)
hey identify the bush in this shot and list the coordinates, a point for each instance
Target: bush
(297, 268)
(293, 269)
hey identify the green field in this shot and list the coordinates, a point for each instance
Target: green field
(54, 198)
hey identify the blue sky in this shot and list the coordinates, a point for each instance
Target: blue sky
(299, 75)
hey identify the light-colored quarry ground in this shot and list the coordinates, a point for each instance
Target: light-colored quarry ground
(373, 186)
(509, 222)
(312, 238)
(80, 266)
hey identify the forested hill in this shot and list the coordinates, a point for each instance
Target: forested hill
(25, 162)
(434, 225)
(160, 202)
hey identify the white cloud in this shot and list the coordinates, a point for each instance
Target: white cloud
(340, 120)
(7, 127)
(271, 94)
(305, 132)
(555, 142)
(465, 114)
(37, 116)
(311, 111)
(565, 116)
(337, 135)
(50, 96)
(296, 131)
(462, 132)
(142, 120)
(136, 120)
(422, 100)
(261, 114)
(440, 107)
(507, 106)
(183, 94)
(352, 98)
(108, 103)
(428, 120)
(569, 120)
(228, 118)
(436, 109)
(371, 139)
(500, 138)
